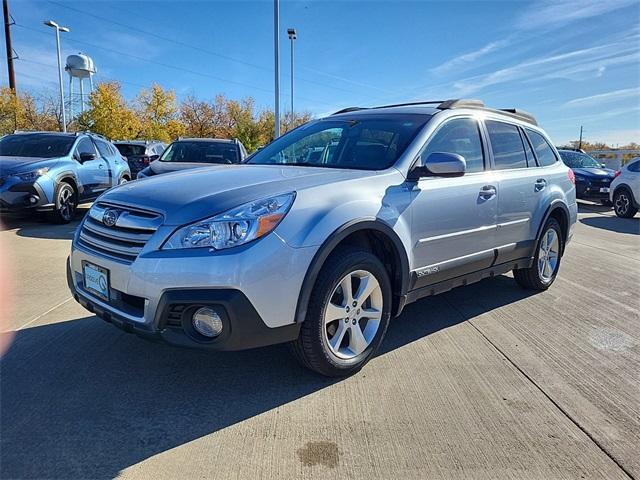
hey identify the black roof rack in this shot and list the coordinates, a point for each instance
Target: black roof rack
(460, 103)
(455, 103)
(349, 109)
(520, 115)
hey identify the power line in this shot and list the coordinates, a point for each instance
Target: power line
(166, 65)
(216, 54)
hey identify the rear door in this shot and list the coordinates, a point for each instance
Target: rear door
(453, 219)
(520, 183)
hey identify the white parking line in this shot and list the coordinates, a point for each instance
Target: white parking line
(43, 314)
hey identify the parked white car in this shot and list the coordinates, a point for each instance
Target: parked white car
(625, 189)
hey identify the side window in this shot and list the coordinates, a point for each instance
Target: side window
(544, 152)
(85, 145)
(531, 159)
(461, 136)
(506, 145)
(634, 167)
(103, 148)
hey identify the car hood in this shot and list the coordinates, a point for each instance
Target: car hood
(195, 194)
(159, 167)
(9, 165)
(594, 172)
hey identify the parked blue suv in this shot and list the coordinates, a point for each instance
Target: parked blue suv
(54, 172)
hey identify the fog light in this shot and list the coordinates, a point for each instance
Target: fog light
(207, 322)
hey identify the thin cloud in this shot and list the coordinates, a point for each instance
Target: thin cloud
(604, 97)
(552, 13)
(550, 67)
(466, 59)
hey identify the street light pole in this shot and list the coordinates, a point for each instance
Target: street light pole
(292, 36)
(51, 23)
(276, 45)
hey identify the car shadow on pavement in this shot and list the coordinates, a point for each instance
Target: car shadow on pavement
(81, 399)
(39, 226)
(614, 224)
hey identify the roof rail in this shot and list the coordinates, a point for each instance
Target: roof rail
(424, 102)
(520, 115)
(460, 103)
(349, 109)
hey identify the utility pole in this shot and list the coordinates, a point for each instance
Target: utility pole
(7, 37)
(276, 45)
(580, 142)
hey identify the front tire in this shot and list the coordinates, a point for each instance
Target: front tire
(348, 314)
(546, 263)
(623, 205)
(66, 201)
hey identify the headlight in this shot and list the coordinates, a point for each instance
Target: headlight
(235, 227)
(32, 176)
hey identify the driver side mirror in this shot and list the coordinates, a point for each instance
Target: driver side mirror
(439, 164)
(87, 157)
(154, 157)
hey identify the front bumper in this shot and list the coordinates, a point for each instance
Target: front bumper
(257, 286)
(242, 326)
(592, 191)
(23, 197)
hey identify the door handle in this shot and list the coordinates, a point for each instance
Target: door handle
(488, 191)
(540, 184)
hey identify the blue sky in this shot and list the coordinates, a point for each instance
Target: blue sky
(570, 63)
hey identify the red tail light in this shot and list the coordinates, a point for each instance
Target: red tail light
(145, 160)
(572, 177)
(618, 172)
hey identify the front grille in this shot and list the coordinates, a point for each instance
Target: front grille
(123, 240)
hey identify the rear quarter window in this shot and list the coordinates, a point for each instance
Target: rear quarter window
(544, 152)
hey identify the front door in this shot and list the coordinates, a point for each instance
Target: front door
(93, 174)
(454, 219)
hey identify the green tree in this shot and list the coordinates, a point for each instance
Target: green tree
(109, 114)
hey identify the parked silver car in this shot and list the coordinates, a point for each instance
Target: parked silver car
(322, 250)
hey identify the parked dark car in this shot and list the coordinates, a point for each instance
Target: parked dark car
(593, 180)
(187, 153)
(140, 153)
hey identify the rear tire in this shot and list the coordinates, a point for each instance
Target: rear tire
(66, 201)
(347, 316)
(623, 204)
(546, 262)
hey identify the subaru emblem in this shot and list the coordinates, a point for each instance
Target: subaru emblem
(110, 217)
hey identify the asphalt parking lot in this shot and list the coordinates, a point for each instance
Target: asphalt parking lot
(486, 381)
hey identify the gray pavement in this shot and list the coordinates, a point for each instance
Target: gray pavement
(486, 381)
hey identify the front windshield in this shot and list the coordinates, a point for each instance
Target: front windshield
(201, 152)
(578, 160)
(365, 142)
(36, 145)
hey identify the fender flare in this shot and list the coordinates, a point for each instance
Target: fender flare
(554, 204)
(68, 174)
(333, 241)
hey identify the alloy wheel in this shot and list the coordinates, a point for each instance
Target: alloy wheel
(621, 204)
(352, 316)
(66, 203)
(548, 255)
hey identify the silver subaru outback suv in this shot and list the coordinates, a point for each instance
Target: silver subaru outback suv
(324, 235)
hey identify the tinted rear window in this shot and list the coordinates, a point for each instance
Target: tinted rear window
(506, 144)
(201, 152)
(130, 150)
(36, 145)
(543, 150)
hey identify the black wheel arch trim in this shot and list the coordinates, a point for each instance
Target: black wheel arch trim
(69, 175)
(554, 206)
(333, 241)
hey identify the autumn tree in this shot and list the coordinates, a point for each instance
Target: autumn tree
(109, 114)
(158, 112)
(205, 119)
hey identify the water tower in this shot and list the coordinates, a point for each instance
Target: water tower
(79, 66)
